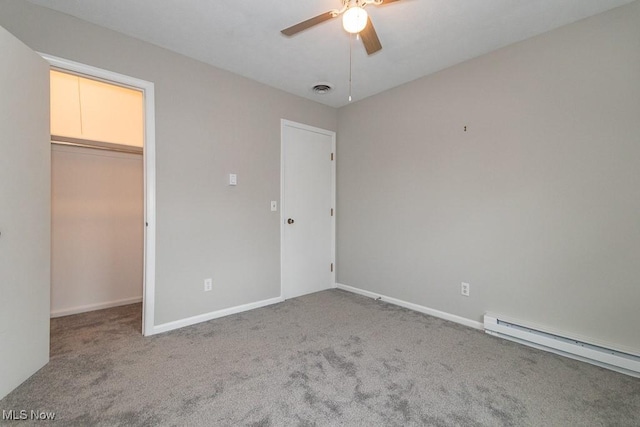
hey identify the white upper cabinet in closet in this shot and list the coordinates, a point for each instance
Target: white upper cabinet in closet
(88, 109)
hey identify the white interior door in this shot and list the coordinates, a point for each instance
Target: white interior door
(308, 199)
(25, 215)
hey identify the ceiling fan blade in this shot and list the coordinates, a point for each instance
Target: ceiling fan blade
(295, 29)
(370, 38)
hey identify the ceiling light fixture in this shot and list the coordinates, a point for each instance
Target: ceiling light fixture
(354, 19)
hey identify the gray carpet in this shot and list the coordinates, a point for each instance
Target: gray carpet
(330, 358)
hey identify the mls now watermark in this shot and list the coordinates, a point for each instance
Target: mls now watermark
(31, 415)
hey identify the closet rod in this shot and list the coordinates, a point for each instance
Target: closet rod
(57, 139)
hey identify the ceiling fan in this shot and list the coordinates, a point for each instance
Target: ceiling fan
(354, 19)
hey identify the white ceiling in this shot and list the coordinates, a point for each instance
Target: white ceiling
(419, 37)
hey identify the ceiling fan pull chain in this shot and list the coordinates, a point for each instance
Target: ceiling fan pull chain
(350, 62)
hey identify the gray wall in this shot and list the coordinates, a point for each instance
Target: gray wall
(24, 212)
(209, 123)
(97, 218)
(537, 205)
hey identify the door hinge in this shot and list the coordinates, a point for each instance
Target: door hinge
(331, 211)
(331, 156)
(332, 267)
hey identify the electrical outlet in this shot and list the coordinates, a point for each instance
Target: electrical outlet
(208, 284)
(464, 289)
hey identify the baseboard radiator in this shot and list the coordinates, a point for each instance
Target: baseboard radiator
(514, 330)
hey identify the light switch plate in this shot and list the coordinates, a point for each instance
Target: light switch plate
(274, 206)
(233, 179)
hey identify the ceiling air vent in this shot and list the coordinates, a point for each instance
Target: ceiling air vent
(322, 88)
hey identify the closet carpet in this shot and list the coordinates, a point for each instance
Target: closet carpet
(329, 358)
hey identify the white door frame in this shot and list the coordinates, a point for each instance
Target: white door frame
(149, 161)
(283, 123)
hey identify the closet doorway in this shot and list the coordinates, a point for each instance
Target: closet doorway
(103, 186)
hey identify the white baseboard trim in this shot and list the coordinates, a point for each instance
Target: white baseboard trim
(177, 324)
(415, 307)
(93, 307)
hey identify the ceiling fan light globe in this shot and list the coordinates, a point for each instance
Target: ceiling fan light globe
(354, 19)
